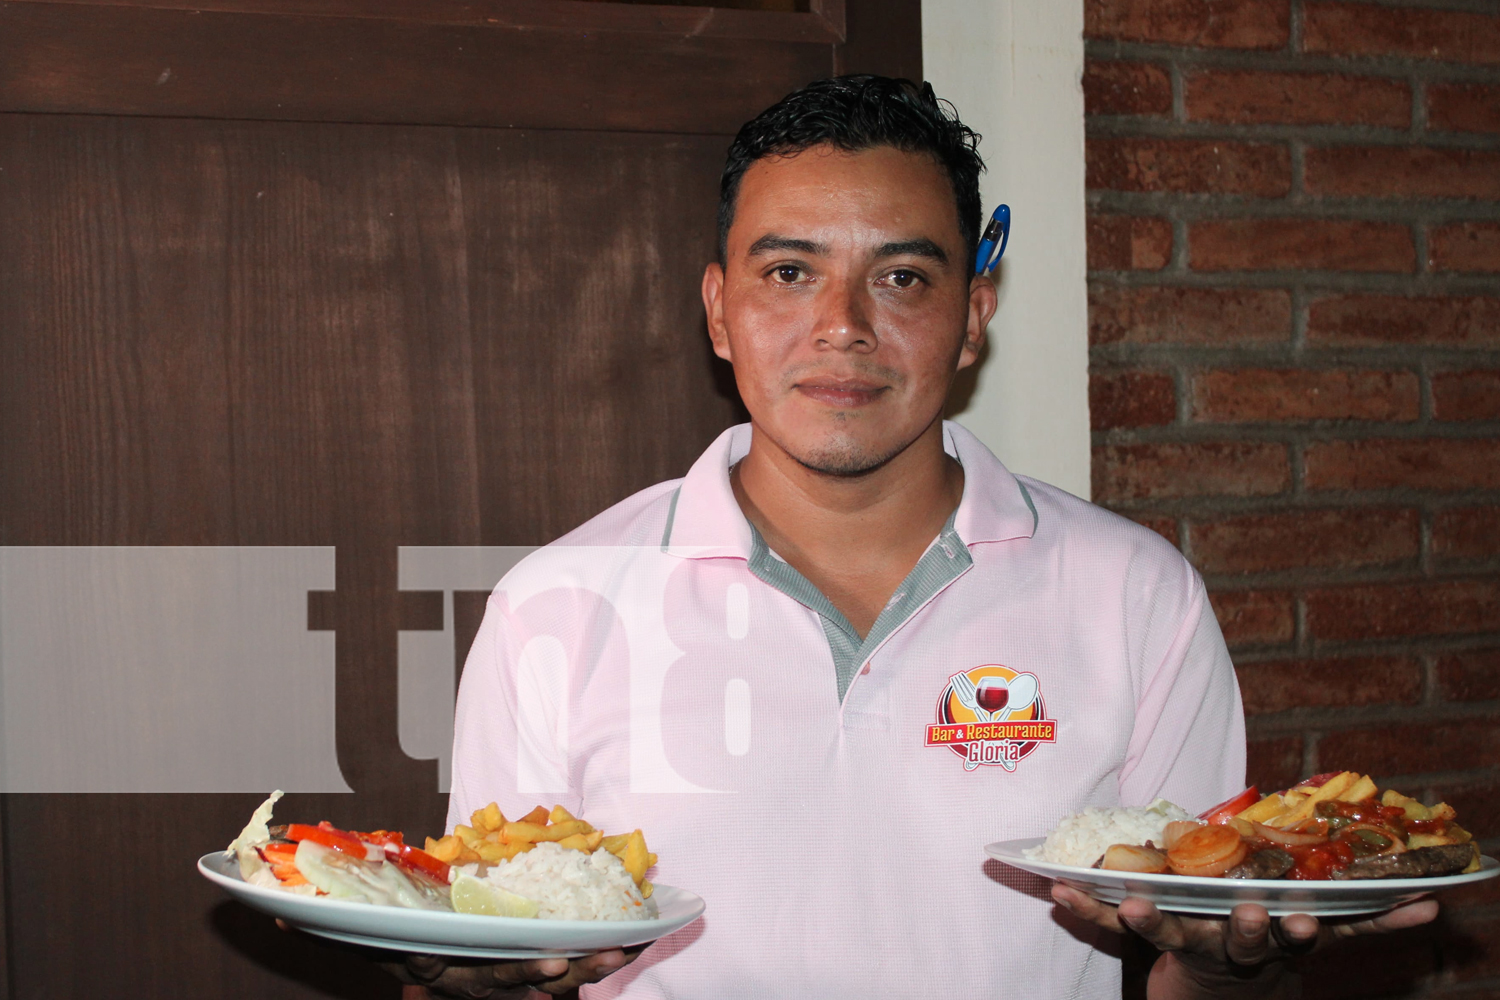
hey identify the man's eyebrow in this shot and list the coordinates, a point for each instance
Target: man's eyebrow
(913, 248)
(771, 243)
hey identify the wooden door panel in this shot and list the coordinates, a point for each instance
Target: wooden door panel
(71, 57)
(299, 290)
(277, 333)
(127, 916)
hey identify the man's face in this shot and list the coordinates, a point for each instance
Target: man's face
(847, 302)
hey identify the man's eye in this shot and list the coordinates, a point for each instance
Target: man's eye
(904, 279)
(788, 273)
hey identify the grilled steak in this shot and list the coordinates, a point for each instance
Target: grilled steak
(1421, 862)
(1273, 862)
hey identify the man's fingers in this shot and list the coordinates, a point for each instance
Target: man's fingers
(1247, 935)
(1082, 905)
(580, 971)
(1297, 933)
(1161, 929)
(534, 970)
(1411, 915)
(425, 968)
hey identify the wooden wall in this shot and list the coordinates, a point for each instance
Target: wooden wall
(278, 273)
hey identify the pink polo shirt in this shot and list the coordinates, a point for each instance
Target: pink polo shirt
(643, 672)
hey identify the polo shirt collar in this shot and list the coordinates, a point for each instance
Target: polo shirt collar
(995, 506)
(706, 521)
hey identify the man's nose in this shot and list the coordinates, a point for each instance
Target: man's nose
(843, 322)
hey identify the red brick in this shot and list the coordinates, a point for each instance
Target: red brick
(1388, 750)
(1335, 683)
(1273, 764)
(1296, 244)
(1163, 525)
(1131, 399)
(1478, 807)
(1254, 617)
(1402, 172)
(1469, 676)
(1374, 611)
(1242, 97)
(1362, 29)
(1113, 87)
(1420, 463)
(1236, 24)
(1188, 166)
(1244, 395)
(1465, 246)
(1466, 395)
(1257, 543)
(1463, 107)
(1144, 471)
(1128, 242)
(1466, 533)
(1373, 320)
(1204, 316)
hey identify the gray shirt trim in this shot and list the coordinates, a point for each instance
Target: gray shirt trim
(946, 559)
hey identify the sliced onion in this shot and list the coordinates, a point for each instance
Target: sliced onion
(1130, 858)
(1176, 829)
(1213, 869)
(1289, 838)
(1207, 851)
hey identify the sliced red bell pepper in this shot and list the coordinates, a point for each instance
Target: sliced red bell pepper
(327, 835)
(1229, 808)
(381, 837)
(279, 853)
(419, 860)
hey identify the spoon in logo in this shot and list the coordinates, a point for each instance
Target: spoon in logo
(1023, 692)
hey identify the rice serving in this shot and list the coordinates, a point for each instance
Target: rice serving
(572, 885)
(1082, 838)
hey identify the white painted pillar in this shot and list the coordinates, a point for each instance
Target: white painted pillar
(1013, 68)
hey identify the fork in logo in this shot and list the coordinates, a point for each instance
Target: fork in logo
(968, 697)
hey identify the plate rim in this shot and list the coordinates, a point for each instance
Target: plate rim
(1008, 852)
(455, 950)
(221, 868)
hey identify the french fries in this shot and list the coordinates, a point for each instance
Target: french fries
(1285, 811)
(490, 838)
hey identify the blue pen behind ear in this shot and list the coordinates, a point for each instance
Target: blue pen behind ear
(996, 234)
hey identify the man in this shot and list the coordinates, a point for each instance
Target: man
(781, 666)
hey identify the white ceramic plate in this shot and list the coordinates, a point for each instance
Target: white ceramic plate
(436, 933)
(1217, 896)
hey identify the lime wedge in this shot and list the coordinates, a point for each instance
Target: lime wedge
(475, 895)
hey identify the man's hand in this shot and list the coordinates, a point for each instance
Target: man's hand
(1243, 956)
(446, 977)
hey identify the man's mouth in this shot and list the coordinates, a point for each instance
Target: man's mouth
(842, 393)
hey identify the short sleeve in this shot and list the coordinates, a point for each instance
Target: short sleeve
(1188, 745)
(510, 721)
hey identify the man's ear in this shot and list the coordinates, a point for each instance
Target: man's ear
(982, 304)
(713, 308)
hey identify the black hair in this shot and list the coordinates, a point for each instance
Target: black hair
(855, 113)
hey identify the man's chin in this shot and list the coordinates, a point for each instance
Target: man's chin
(845, 460)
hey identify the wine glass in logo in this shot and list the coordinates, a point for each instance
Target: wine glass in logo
(992, 695)
(1000, 698)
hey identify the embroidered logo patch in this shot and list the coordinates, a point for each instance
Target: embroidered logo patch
(992, 716)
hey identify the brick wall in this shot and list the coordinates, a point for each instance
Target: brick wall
(1294, 253)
